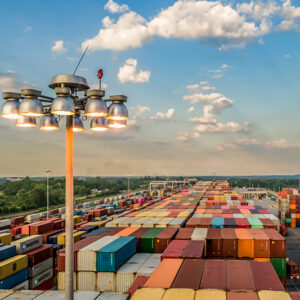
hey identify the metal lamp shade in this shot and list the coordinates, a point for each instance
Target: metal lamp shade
(10, 110)
(117, 111)
(117, 123)
(31, 107)
(96, 108)
(26, 122)
(49, 123)
(77, 124)
(99, 124)
(63, 106)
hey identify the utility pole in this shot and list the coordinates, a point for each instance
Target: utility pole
(48, 173)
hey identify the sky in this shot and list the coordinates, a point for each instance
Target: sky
(212, 86)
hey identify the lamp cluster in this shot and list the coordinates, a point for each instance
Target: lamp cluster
(26, 106)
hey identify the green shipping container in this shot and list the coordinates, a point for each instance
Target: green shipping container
(147, 244)
(255, 223)
(279, 264)
(288, 220)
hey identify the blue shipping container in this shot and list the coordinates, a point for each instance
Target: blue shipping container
(13, 280)
(55, 247)
(96, 232)
(53, 238)
(7, 251)
(89, 228)
(114, 255)
(217, 223)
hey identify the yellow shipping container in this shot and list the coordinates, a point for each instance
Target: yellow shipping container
(273, 295)
(5, 238)
(179, 294)
(210, 294)
(100, 223)
(13, 265)
(148, 294)
(77, 219)
(76, 237)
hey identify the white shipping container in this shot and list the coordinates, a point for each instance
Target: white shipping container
(199, 234)
(149, 266)
(28, 243)
(61, 281)
(5, 231)
(22, 286)
(163, 222)
(87, 256)
(86, 281)
(113, 296)
(106, 281)
(4, 223)
(177, 222)
(40, 267)
(59, 295)
(151, 222)
(126, 274)
(36, 281)
(25, 295)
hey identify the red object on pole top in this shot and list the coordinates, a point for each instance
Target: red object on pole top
(100, 73)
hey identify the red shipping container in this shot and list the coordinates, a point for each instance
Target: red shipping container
(175, 249)
(87, 217)
(193, 249)
(163, 240)
(26, 228)
(16, 231)
(137, 284)
(46, 235)
(46, 285)
(214, 275)
(38, 255)
(184, 234)
(59, 224)
(41, 228)
(17, 221)
(265, 277)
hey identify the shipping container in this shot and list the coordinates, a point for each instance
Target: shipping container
(190, 274)
(76, 237)
(193, 249)
(29, 243)
(179, 294)
(106, 281)
(115, 254)
(39, 279)
(13, 265)
(210, 294)
(184, 234)
(241, 295)
(5, 238)
(175, 249)
(214, 275)
(10, 281)
(147, 243)
(61, 281)
(165, 274)
(138, 283)
(40, 267)
(272, 295)
(245, 243)
(113, 296)
(7, 251)
(214, 242)
(86, 281)
(21, 286)
(279, 264)
(149, 266)
(277, 243)
(87, 256)
(164, 238)
(229, 243)
(39, 254)
(149, 294)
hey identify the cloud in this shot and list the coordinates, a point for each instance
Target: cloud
(11, 82)
(281, 144)
(58, 47)
(133, 123)
(229, 127)
(207, 88)
(225, 66)
(140, 110)
(290, 15)
(287, 56)
(203, 82)
(193, 87)
(191, 109)
(183, 136)
(218, 101)
(217, 76)
(27, 29)
(115, 8)
(129, 72)
(185, 19)
(159, 142)
(259, 10)
(203, 120)
(163, 116)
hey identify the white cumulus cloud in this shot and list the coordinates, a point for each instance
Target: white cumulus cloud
(115, 8)
(164, 116)
(190, 109)
(129, 72)
(11, 82)
(58, 47)
(230, 127)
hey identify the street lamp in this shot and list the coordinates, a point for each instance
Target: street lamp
(48, 173)
(68, 104)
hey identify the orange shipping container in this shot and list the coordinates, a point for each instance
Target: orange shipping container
(127, 231)
(245, 243)
(164, 275)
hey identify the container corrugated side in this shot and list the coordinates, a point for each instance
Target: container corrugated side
(150, 294)
(106, 281)
(199, 234)
(273, 295)
(115, 254)
(11, 281)
(5, 238)
(177, 222)
(179, 294)
(28, 243)
(21, 286)
(41, 267)
(127, 273)
(210, 294)
(61, 281)
(86, 281)
(87, 256)
(39, 279)
(149, 266)
(7, 251)
(13, 265)
(113, 296)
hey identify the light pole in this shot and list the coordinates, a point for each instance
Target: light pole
(68, 104)
(48, 173)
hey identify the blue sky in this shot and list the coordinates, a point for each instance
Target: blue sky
(212, 86)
